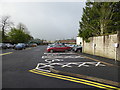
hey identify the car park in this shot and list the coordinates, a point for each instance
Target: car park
(54, 48)
(20, 46)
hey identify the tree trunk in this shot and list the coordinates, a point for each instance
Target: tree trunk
(3, 34)
(101, 28)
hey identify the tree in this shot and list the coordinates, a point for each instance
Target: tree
(116, 18)
(5, 24)
(89, 26)
(105, 12)
(23, 27)
(0, 36)
(99, 18)
(18, 36)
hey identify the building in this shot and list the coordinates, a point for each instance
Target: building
(68, 41)
(79, 41)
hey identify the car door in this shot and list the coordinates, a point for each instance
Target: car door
(58, 48)
(63, 48)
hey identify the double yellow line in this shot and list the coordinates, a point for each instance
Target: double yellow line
(73, 79)
(5, 53)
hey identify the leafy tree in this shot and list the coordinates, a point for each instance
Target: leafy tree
(114, 26)
(105, 11)
(18, 36)
(88, 25)
(99, 18)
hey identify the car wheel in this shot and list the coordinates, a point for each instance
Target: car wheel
(66, 50)
(51, 51)
(78, 50)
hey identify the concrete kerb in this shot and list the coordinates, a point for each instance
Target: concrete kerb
(87, 77)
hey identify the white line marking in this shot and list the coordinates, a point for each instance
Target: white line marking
(59, 53)
(62, 57)
(97, 64)
(44, 70)
(52, 60)
(83, 64)
(67, 64)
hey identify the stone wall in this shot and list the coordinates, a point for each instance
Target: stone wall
(103, 46)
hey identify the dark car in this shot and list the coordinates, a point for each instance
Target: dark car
(19, 46)
(3, 46)
(77, 48)
(54, 48)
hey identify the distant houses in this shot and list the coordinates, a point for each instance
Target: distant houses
(67, 41)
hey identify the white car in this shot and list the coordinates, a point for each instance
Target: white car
(9, 45)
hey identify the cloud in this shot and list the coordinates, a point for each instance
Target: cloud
(50, 20)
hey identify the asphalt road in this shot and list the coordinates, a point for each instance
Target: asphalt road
(15, 71)
(17, 63)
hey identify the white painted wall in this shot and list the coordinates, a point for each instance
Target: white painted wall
(79, 40)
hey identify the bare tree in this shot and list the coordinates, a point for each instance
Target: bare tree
(23, 27)
(5, 24)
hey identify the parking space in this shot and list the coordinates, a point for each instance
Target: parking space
(78, 64)
(65, 60)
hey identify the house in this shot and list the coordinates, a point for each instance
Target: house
(68, 41)
(79, 41)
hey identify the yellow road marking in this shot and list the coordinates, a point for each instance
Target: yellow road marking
(74, 78)
(5, 53)
(65, 79)
(95, 84)
(100, 80)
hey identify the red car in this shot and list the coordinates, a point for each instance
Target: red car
(58, 48)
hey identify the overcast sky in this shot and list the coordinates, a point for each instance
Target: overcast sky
(46, 20)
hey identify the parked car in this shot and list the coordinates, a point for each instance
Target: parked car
(33, 45)
(20, 46)
(27, 45)
(54, 48)
(9, 45)
(3, 46)
(0, 45)
(77, 48)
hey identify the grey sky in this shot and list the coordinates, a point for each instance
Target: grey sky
(47, 20)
